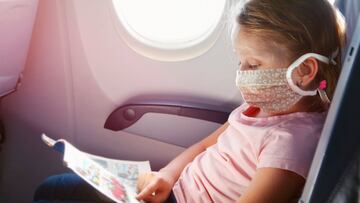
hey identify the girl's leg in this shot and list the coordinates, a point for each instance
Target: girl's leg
(67, 187)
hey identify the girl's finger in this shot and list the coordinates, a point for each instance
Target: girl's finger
(157, 198)
(148, 190)
(142, 180)
(139, 183)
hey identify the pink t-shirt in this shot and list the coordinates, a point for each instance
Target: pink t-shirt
(223, 171)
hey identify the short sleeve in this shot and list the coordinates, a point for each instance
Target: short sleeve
(287, 149)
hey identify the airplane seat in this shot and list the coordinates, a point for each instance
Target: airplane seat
(335, 171)
(17, 19)
(16, 23)
(351, 10)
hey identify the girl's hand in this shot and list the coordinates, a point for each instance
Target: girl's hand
(154, 186)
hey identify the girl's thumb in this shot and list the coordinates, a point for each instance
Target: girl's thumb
(147, 191)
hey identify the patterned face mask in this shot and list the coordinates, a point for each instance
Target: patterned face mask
(273, 90)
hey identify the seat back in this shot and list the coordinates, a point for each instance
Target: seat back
(16, 24)
(351, 11)
(340, 139)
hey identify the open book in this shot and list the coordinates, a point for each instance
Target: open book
(114, 178)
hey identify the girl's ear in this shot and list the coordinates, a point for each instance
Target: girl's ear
(307, 71)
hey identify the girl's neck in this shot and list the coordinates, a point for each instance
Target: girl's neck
(302, 106)
(258, 113)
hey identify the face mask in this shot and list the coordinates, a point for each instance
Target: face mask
(273, 90)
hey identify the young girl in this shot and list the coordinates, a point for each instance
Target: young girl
(289, 53)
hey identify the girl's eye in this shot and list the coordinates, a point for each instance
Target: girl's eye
(253, 66)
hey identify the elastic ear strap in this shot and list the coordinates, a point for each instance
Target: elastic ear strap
(323, 96)
(333, 56)
(295, 64)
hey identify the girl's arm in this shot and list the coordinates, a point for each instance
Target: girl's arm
(176, 166)
(273, 185)
(160, 183)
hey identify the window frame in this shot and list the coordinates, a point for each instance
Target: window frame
(174, 51)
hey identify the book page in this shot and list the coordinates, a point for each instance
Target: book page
(127, 171)
(114, 178)
(97, 176)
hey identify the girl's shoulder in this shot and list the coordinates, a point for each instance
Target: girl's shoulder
(292, 126)
(237, 116)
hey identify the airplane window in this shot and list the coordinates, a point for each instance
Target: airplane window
(170, 24)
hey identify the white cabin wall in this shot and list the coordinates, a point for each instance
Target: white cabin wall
(70, 86)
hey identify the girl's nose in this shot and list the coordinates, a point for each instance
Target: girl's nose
(243, 66)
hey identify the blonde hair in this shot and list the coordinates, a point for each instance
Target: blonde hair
(301, 26)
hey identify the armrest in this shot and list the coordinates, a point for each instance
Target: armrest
(125, 116)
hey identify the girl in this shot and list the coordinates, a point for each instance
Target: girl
(289, 53)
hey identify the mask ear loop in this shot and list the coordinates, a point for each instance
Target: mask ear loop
(321, 89)
(333, 55)
(322, 93)
(294, 65)
(322, 86)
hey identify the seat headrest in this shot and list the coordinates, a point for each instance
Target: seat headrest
(351, 10)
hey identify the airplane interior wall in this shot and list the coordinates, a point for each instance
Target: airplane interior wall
(79, 70)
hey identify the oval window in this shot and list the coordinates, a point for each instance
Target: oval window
(170, 24)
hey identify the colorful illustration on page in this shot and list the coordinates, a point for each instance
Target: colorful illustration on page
(89, 171)
(116, 188)
(128, 173)
(102, 180)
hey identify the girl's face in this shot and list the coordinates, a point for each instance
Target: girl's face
(258, 53)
